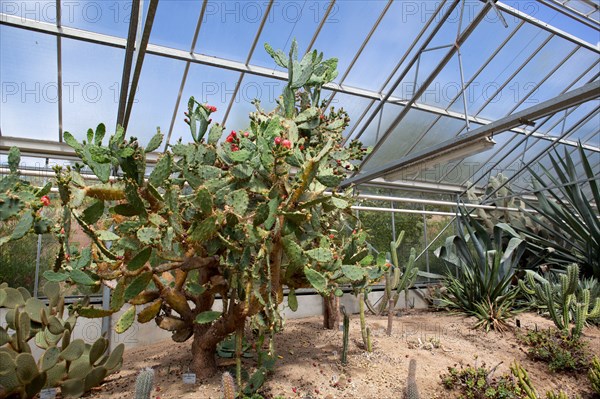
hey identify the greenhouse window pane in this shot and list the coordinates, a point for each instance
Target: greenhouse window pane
(175, 23)
(526, 79)
(390, 41)
(510, 57)
(91, 86)
(106, 17)
(29, 84)
(207, 85)
(155, 96)
(38, 11)
(229, 28)
(288, 20)
(346, 28)
(253, 87)
(563, 78)
(353, 105)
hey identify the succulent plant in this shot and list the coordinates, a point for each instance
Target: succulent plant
(564, 306)
(72, 365)
(144, 384)
(228, 386)
(240, 217)
(594, 374)
(346, 337)
(412, 389)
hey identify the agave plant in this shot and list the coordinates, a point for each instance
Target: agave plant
(568, 218)
(484, 266)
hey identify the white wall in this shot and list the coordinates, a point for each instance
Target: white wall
(144, 334)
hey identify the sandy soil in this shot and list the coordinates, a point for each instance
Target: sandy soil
(310, 367)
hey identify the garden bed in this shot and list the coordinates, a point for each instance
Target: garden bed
(310, 366)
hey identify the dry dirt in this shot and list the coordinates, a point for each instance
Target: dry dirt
(309, 366)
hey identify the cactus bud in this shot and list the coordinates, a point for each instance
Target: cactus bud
(287, 144)
(277, 140)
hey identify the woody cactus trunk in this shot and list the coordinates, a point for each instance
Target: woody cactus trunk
(240, 217)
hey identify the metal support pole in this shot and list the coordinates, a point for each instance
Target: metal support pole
(38, 256)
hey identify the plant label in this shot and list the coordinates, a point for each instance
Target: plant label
(189, 378)
(48, 393)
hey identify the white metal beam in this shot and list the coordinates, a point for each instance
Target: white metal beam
(578, 96)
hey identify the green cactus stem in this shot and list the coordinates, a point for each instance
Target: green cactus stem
(363, 324)
(346, 335)
(144, 383)
(228, 386)
(412, 389)
(594, 374)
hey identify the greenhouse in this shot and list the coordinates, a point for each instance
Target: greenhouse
(310, 199)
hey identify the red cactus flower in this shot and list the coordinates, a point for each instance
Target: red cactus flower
(301, 147)
(331, 236)
(235, 148)
(277, 140)
(246, 134)
(233, 133)
(287, 144)
(210, 108)
(45, 200)
(229, 139)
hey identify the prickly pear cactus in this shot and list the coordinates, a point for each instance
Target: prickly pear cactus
(72, 365)
(239, 214)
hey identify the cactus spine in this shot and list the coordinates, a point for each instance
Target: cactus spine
(144, 383)
(228, 386)
(564, 306)
(412, 389)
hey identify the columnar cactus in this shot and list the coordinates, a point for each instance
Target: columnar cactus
(412, 389)
(144, 384)
(594, 374)
(564, 306)
(346, 338)
(72, 365)
(240, 217)
(228, 386)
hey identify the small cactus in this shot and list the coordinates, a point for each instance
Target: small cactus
(594, 374)
(144, 383)
(346, 335)
(412, 389)
(228, 386)
(564, 305)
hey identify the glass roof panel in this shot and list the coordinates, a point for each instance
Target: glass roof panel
(229, 27)
(175, 23)
(253, 87)
(107, 17)
(353, 105)
(155, 96)
(555, 18)
(346, 28)
(395, 34)
(208, 85)
(41, 10)
(525, 80)
(91, 86)
(510, 57)
(563, 77)
(29, 84)
(289, 20)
